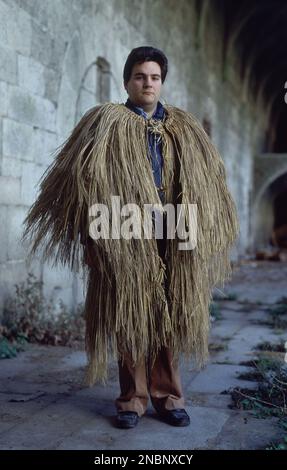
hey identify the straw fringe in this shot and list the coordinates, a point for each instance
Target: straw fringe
(127, 307)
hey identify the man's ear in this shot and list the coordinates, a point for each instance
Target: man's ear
(125, 86)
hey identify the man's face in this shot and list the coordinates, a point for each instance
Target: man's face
(144, 85)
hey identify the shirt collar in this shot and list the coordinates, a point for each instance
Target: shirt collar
(158, 113)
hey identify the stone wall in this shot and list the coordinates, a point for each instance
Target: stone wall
(60, 57)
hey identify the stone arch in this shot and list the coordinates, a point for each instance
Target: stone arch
(86, 51)
(203, 8)
(95, 86)
(270, 179)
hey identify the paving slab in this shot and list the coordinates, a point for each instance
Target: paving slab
(217, 378)
(244, 432)
(151, 433)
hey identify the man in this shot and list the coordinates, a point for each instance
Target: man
(147, 300)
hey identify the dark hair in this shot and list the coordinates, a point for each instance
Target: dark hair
(145, 54)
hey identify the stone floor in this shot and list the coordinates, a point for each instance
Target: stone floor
(43, 404)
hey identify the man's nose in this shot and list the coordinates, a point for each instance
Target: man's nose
(148, 82)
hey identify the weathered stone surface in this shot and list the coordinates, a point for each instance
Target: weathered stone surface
(4, 98)
(11, 273)
(11, 167)
(217, 378)
(15, 31)
(31, 75)
(9, 190)
(27, 143)
(244, 432)
(269, 278)
(30, 109)
(59, 286)
(8, 65)
(14, 221)
(31, 175)
(52, 84)
(3, 234)
(149, 434)
(17, 140)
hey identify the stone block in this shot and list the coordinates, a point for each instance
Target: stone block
(66, 119)
(30, 109)
(1, 141)
(27, 143)
(3, 98)
(207, 422)
(45, 48)
(17, 140)
(75, 62)
(31, 75)
(15, 28)
(90, 83)
(11, 273)
(245, 432)
(44, 146)
(8, 65)
(31, 175)
(58, 286)
(3, 234)
(217, 378)
(14, 227)
(11, 167)
(86, 101)
(9, 190)
(52, 84)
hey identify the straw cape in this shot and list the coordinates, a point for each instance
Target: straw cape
(128, 306)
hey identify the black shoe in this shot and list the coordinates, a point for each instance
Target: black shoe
(127, 419)
(177, 417)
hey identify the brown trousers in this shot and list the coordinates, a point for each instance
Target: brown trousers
(161, 380)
